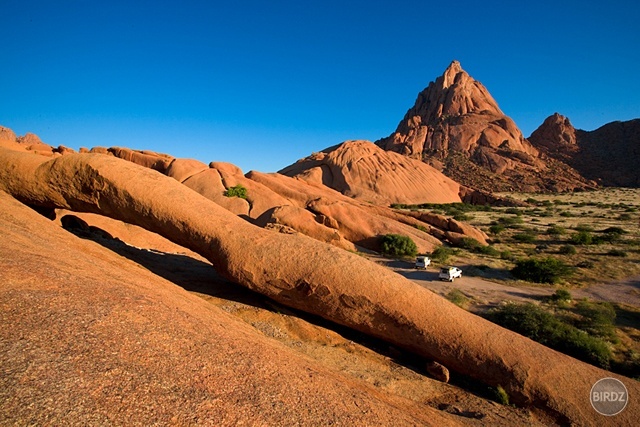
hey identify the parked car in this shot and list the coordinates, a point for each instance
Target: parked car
(423, 262)
(449, 273)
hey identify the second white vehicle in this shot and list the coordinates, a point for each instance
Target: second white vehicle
(422, 262)
(449, 273)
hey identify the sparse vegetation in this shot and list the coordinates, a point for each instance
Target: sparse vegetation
(458, 298)
(617, 252)
(556, 230)
(398, 245)
(501, 396)
(542, 270)
(567, 250)
(496, 229)
(236, 191)
(591, 244)
(534, 322)
(526, 236)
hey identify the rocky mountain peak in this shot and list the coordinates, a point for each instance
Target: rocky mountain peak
(451, 72)
(555, 131)
(456, 116)
(454, 93)
(456, 126)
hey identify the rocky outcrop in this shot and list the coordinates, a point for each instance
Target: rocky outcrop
(361, 170)
(314, 277)
(456, 125)
(608, 155)
(90, 338)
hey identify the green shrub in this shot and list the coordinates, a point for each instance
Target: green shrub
(561, 295)
(501, 396)
(525, 237)
(534, 322)
(236, 191)
(422, 228)
(624, 217)
(566, 214)
(398, 245)
(513, 211)
(614, 230)
(567, 250)
(607, 238)
(582, 238)
(541, 270)
(458, 298)
(617, 252)
(507, 255)
(585, 264)
(496, 229)
(511, 221)
(487, 250)
(441, 254)
(469, 243)
(556, 230)
(596, 318)
(583, 227)
(461, 216)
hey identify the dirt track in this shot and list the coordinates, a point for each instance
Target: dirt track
(486, 292)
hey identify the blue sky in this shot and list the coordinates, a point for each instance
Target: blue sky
(263, 83)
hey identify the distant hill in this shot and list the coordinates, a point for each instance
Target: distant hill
(608, 155)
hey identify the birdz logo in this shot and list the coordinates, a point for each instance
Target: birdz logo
(609, 396)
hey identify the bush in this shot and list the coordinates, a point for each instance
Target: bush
(461, 216)
(596, 318)
(585, 264)
(511, 221)
(496, 229)
(469, 243)
(567, 250)
(541, 270)
(525, 237)
(583, 227)
(582, 238)
(617, 252)
(236, 191)
(501, 396)
(513, 211)
(614, 230)
(561, 295)
(441, 254)
(556, 230)
(398, 245)
(487, 250)
(535, 323)
(506, 255)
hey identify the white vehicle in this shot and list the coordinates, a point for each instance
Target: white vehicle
(423, 262)
(449, 273)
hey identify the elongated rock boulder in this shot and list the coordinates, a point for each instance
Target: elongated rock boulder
(318, 278)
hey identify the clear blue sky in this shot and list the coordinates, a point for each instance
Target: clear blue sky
(264, 83)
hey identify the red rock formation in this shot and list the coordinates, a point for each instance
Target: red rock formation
(456, 125)
(314, 277)
(89, 338)
(361, 170)
(312, 208)
(608, 155)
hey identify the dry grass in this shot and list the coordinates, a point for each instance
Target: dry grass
(571, 212)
